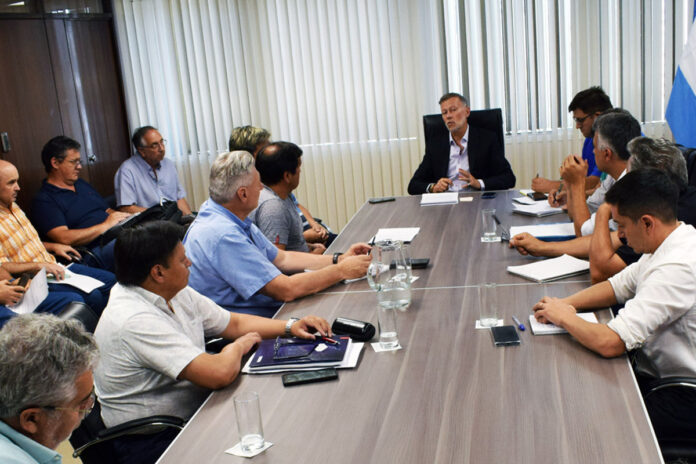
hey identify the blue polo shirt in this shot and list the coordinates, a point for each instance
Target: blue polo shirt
(54, 207)
(231, 261)
(16, 448)
(135, 183)
(588, 155)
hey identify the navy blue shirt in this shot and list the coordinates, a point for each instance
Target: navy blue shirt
(54, 207)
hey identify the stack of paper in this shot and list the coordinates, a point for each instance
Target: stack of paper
(349, 360)
(551, 269)
(445, 198)
(402, 234)
(524, 200)
(538, 209)
(550, 329)
(547, 232)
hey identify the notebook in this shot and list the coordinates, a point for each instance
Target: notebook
(538, 209)
(550, 329)
(445, 198)
(547, 232)
(548, 270)
(297, 353)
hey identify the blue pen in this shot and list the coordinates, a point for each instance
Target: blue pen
(519, 324)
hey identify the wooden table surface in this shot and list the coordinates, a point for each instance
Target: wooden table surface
(449, 395)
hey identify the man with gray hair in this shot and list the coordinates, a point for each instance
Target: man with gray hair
(46, 385)
(236, 266)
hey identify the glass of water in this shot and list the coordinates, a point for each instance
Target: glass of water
(248, 412)
(488, 305)
(489, 228)
(389, 275)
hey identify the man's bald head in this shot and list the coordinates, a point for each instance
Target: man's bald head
(9, 183)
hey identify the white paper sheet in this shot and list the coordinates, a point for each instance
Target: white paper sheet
(548, 270)
(539, 209)
(561, 229)
(82, 282)
(445, 198)
(35, 294)
(550, 329)
(403, 234)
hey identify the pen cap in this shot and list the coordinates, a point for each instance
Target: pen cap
(357, 330)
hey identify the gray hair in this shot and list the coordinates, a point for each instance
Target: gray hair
(660, 154)
(41, 357)
(230, 172)
(615, 128)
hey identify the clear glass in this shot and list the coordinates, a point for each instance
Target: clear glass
(489, 229)
(488, 304)
(73, 6)
(247, 408)
(386, 317)
(389, 275)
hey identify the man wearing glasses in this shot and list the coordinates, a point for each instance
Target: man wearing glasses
(69, 210)
(46, 385)
(147, 177)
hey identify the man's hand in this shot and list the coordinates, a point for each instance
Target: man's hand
(356, 249)
(64, 251)
(539, 184)
(553, 310)
(441, 185)
(353, 267)
(527, 244)
(244, 343)
(574, 170)
(316, 248)
(467, 177)
(558, 199)
(115, 217)
(57, 270)
(10, 294)
(312, 236)
(603, 213)
(309, 324)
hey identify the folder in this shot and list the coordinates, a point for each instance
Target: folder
(296, 353)
(548, 270)
(547, 232)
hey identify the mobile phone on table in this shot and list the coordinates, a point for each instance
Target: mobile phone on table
(488, 195)
(505, 335)
(380, 200)
(299, 378)
(537, 196)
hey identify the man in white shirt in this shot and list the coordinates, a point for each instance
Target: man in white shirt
(658, 292)
(152, 336)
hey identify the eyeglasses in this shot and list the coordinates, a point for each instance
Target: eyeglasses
(581, 120)
(154, 146)
(74, 162)
(85, 407)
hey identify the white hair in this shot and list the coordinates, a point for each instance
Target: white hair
(230, 172)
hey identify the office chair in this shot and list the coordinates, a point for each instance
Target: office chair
(82, 312)
(92, 440)
(682, 446)
(690, 157)
(492, 120)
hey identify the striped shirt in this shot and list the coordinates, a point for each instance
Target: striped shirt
(19, 241)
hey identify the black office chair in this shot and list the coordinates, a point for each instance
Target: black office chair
(92, 441)
(690, 157)
(82, 312)
(492, 120)
(680, 447)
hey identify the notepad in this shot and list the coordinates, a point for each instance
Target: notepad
(445, 198)
(402, 234)
(524, 200)
(552, 269)
(551, 329)
(547, 232)
(537, 209)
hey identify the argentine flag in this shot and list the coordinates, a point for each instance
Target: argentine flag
(681, 109)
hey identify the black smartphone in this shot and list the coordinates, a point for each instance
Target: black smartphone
(380, 200)
(537, 196)
(298, 378)
(488, 195)
(419, 263)
(505, 335)
(24, 279)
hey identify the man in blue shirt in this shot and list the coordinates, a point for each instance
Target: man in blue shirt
(236, 266)
(46, 386)
(147, 177)
(585, 106)
(67, 209)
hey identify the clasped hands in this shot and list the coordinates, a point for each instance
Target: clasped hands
(445, 183)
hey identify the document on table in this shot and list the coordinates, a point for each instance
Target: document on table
(548, 270)
(402, 234)
(538, 209)
(85, 283)
(35, 294)
(524, 200)
(547, 232)
(445, 198)
(550, 329)
(349, 361)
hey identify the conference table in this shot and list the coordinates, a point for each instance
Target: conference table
(449, 395)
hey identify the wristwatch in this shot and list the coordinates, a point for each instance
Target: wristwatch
(335, 257)
(289, 324)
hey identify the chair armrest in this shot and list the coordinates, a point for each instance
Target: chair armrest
(670, 382)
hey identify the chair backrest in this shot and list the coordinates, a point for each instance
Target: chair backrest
(87, 431)
(82, 312)
(690, 157)
(492, 120)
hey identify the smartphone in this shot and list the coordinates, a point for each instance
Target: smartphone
(537, 196)
(298, 378)
(24, 279)
(505, 335)
(416, 263)
(381, 200)
(488, 195)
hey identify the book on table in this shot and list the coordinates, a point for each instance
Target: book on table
(548, 270)
(538, 209)
(539, 328)
(297, 353)
(445, 198)
(547, 232)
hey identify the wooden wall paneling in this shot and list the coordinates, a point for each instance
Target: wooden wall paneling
(28, 104)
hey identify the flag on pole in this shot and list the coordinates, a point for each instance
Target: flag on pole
(681, 109)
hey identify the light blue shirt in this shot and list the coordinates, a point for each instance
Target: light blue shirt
(16, 448)
(232, 261)
(135, 183)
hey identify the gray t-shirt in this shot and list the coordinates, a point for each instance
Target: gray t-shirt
(144, 346)
(279, 221)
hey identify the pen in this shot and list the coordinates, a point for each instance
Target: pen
(505, 236)
(330, 340)
(519, 324)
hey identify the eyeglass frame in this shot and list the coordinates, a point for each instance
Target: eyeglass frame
(91, 398)
(155, 145)
(583, 119)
